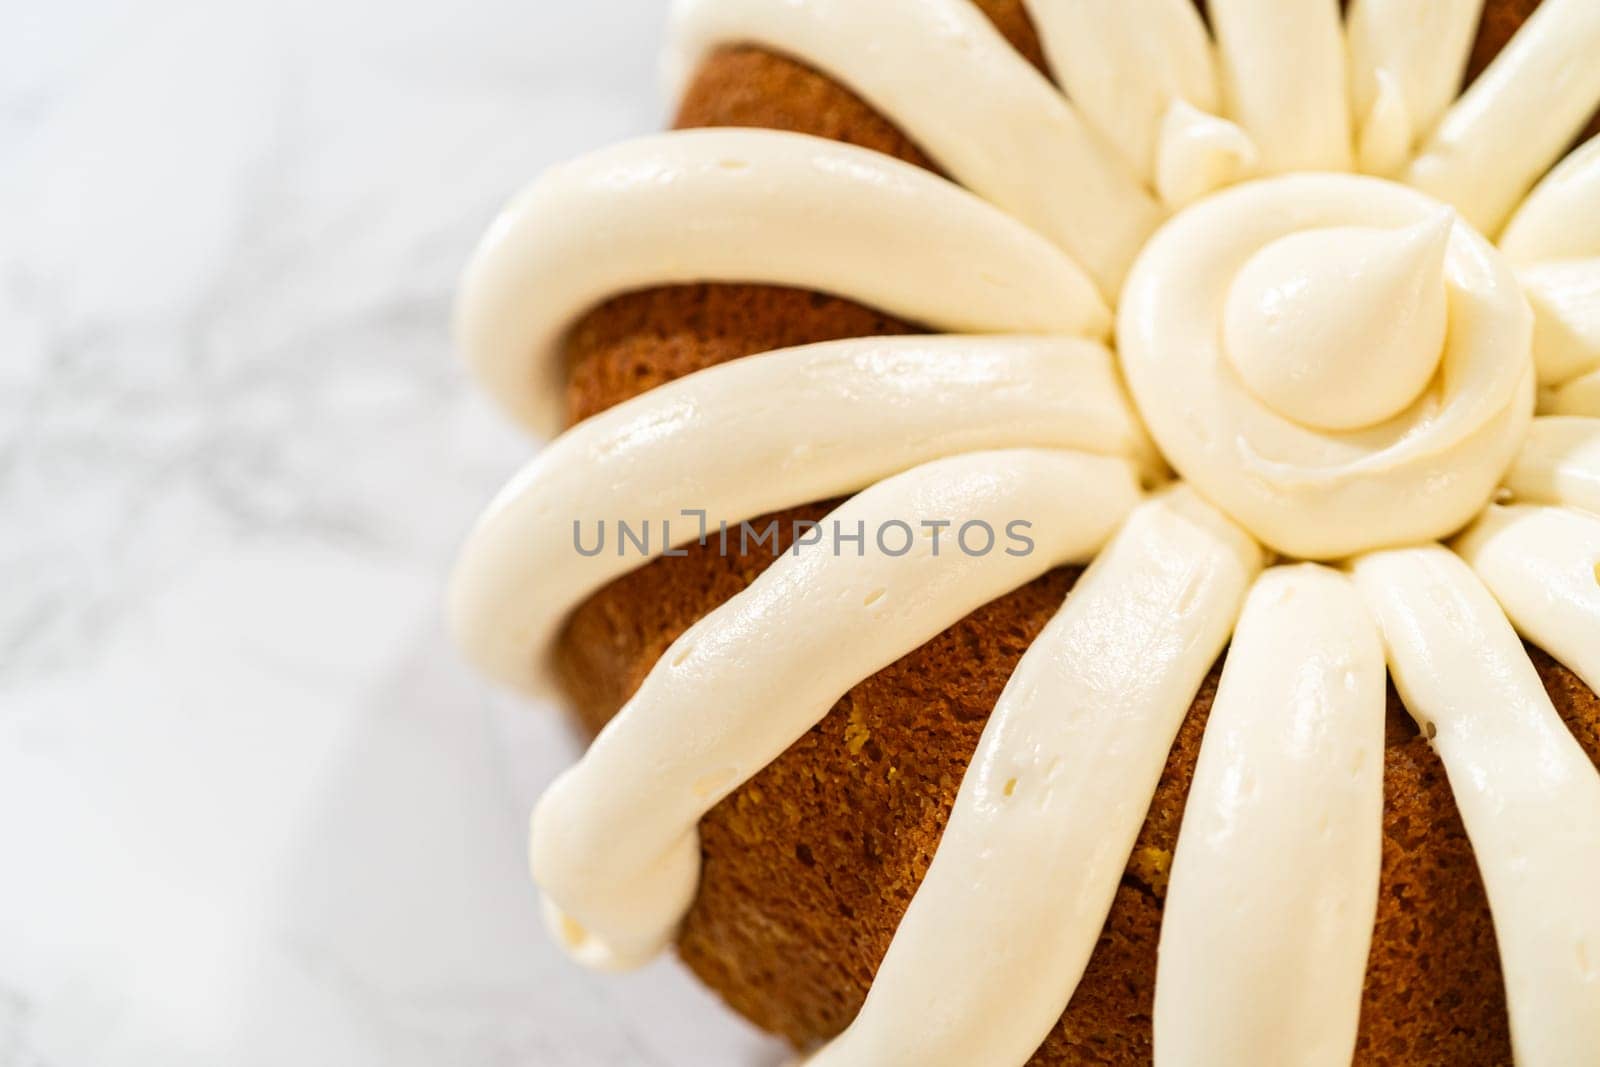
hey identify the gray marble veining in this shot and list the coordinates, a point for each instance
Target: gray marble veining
(253, 810)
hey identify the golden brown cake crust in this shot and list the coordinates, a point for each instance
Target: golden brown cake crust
(809, 866)
(637, 341)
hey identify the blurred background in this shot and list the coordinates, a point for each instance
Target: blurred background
(253, 808)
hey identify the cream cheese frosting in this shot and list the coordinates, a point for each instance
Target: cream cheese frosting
(942, 72)
(1407, 59)
(1581, 396)
(1559, 465)
(744, 438)
(1384, 139)
(1543, 566)
(1337, 366)
(1341, 328)
(1277, 862)
(1502, 134)
(1284, 80)
(1529, 796)
(1560, 220)
(750, 206)
(1199, 153)
(614, 845)
(1312, 290)
(1054, 797)
(1126, 64)
(1565, 295)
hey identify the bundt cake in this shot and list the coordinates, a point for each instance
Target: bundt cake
(927, 306)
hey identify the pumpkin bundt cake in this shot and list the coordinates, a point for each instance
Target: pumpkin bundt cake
(1077, 530)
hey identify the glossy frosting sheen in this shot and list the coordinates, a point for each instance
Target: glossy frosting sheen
(757, 435)
(1083, 725)
(1283, 341)
(614, 842)
(1528, 794)
(750, 205)
(1362, 309)
(1278, 863)
(1517, 118)
(1339, 367)
(1407, 58)
(959, 90)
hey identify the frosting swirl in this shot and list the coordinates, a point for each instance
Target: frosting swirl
(1347, 362)
(1335, 361)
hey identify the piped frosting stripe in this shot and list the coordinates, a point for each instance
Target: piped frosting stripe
(1565, 295)
(1124, 65)
(1559, 464)
(1518, 117)
(750, 206)
(1407, 59)
(1543, 565)
(1000, 930)
(752, 436)
(942, 72)
(615, 845)
(1284, 80)
(1560, 219)
(1277, 863)
(1529, 796)
(1580, 397)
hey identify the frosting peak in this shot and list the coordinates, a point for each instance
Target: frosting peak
(1342, 327)
(1297, 357)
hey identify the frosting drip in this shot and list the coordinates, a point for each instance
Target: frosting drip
(1341, 328)
(1283, 342)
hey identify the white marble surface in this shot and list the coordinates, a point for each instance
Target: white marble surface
(253, 810)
